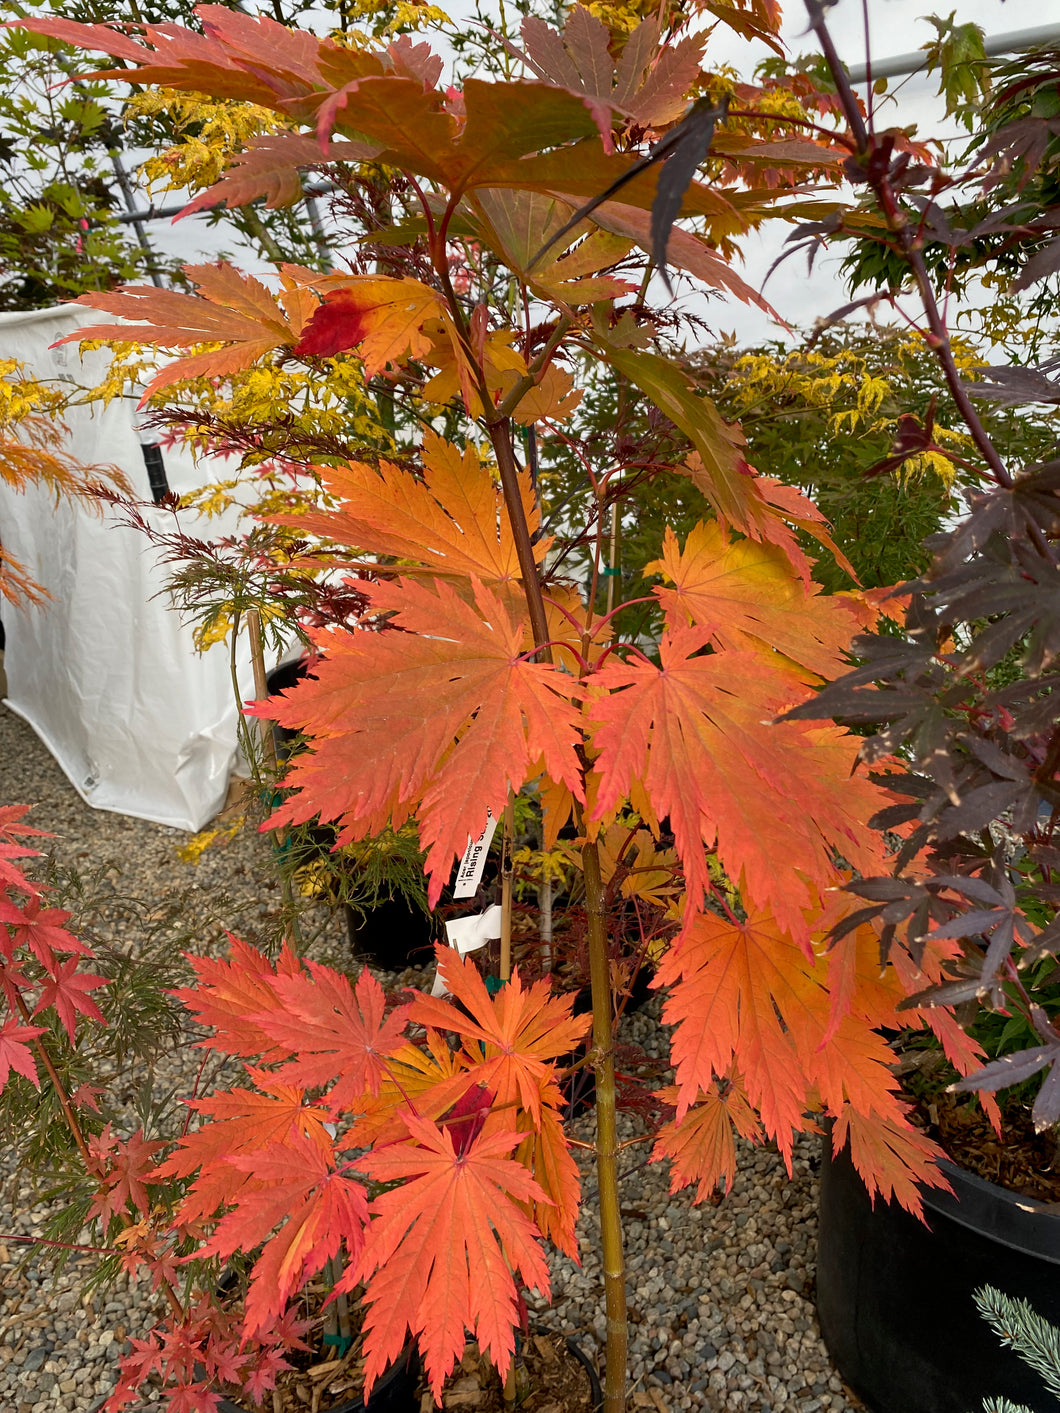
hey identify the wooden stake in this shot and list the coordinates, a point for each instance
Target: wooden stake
(507, 844)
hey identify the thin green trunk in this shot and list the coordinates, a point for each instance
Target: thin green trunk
(603, 1056)
(599, 974)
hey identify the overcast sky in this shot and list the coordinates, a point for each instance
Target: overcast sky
(897, 27)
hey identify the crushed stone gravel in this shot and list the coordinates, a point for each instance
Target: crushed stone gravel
(721, 1296)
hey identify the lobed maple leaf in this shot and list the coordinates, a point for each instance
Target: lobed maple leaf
(697, 734)
(450, 521)
(441, 718)
(545, 1153)
(893, 1159)
(649, 84)
(271, 168)
(519, 1030)
(123, 1169)
(228, 995)
(442, 1249)
(231, 308)
(700, 1145)
(685, 249)
(324, 1210)
(10, 848)
(245, 1121)
(249, 58)
(65, 990)
(747, 595)
(746, 994)
(15, 1053)
(734, 995)
(338, 1034)
(39, 929)
(380, 316)
(776, 511)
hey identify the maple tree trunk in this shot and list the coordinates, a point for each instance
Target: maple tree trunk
(603, 1056)
(606, 1137)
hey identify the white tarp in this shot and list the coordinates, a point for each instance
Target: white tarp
(106, 673)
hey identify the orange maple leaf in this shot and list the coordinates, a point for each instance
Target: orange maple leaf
(747, 594)
(270, 167)
(700, 1146)
(893, 1159)
(442, 1247)
(733, 996)
(441, 719)
(231, 308)
(519, 1030)
(698, 734)
(378, 315)
(545, 1153)
(324, 1209)
(245, 1121)
(746, 994)
(450, 521)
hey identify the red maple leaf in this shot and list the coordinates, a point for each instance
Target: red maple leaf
(66, 990)
(339, 1033)
(10, 848)
(15, 1053)
(123, 1168)
(40, 929)
(229, 993)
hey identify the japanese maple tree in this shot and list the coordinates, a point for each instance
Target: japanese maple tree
(428, 1143)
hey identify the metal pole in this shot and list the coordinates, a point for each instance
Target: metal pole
(1013, 42)
(131, 216)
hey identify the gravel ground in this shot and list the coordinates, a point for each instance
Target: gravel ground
(721, 1297)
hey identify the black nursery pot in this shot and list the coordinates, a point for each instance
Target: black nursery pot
(596, 1393)
(894, 1296)
(393, 1392)
(393, 933)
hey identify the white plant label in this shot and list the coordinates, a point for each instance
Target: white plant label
(468, 934)
(469, 874)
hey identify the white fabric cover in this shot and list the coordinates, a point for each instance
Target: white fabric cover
(106, 673)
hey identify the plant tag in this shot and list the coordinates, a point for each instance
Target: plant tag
(468, 934)
(469, 874)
